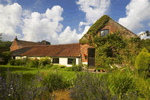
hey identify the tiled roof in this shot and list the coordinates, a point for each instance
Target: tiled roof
(27, 43)
(64, 50)
(18, 52)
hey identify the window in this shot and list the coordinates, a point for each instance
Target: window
(70, 60)
(104, 32)
(55, 60)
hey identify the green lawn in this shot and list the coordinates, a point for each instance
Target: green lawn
(29, 73)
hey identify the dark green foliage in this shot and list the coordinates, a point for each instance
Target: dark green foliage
(74, 68)
(120, 82)
(17, 62)
(97, 26)
(12, 62)
(48, 66)
(55, 67)
(62, 66)
(107, 49)
(136, 39)
(44, 61)
(55, 81)
(33, 63)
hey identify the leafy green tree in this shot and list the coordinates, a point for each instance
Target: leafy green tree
(5, 49)
(142, 62)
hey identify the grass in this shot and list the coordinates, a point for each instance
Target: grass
(29, 73)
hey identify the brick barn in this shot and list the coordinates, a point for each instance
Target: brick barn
(64, 54)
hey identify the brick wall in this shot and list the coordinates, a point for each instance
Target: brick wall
(14, 46)
(84, 50)
(113, 26)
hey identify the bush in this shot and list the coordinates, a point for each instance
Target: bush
(142, 88)
(62, 66)
(142, 63)
(88, 86)
(33, 63)
(48, 66)
(55, 81)
(44, 61)
(55, 67)
(69, 69)
(17, 62)
(12, 62)
(121, 82)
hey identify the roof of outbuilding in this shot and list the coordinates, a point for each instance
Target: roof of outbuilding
(27, 43)
(18, 52)
(63, 50)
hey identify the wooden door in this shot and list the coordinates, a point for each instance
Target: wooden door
(91, 57)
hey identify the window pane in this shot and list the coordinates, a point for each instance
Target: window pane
(106, 32)
(102, 33)
(55, 60)
(70, 60)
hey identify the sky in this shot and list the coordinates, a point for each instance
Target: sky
(66, 21)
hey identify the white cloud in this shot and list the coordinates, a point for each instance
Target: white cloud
(36, 26)
(69, 36)
(93, 9)
(149, 24)
(137, 11)
(143, 36)
(43, 26)
(10, 18)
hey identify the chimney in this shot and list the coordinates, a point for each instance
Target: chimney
(16, 38)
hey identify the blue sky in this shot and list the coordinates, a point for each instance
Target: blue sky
(66, 21)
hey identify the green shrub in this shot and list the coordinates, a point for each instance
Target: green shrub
(48, 66)
(121, 82)
(44, 61)
(12, 62)
(142, 88)
(142, 62)
(69, 69)
(55, 81)
(33, 63)
(62, 66)
(55, 67)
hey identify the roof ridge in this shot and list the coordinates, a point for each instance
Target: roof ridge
(27, 41)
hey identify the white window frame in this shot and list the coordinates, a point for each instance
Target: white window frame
(104, 32)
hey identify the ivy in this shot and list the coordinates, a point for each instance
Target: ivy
(98, 25)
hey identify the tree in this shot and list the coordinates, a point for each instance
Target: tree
(147, 33)
(4, 49)
(142, 62)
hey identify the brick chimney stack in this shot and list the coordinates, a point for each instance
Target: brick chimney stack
(16, 38)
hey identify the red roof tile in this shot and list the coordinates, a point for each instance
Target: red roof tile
(64, 50)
